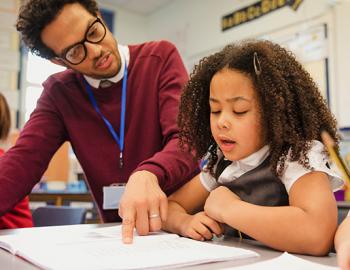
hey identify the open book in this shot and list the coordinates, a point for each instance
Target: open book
(102, 248)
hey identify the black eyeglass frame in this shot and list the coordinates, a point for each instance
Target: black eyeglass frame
(82, 42)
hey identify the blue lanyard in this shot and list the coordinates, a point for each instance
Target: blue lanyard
(120, 141)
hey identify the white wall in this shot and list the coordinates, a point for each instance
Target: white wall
(200, 22)
(342, 54)
(129, 27)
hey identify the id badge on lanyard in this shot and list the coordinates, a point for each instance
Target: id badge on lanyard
(112, 195)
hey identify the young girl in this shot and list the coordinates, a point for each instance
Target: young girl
(257, 116)
(20, 216)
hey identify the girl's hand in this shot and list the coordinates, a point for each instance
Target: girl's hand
(219, 199)
(201, 227)
(343, 255)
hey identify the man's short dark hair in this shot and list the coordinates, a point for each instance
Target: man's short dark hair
(35, 15)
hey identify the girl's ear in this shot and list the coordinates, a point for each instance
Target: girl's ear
(58, 61)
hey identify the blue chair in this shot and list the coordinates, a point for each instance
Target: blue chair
(58, 215)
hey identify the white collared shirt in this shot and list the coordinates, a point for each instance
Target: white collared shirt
(292, 172)
(124, 57)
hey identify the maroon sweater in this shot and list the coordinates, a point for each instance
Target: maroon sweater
(156, 75)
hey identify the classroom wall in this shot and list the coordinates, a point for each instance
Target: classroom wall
(130, 27)
(200, 22)
(342, 55)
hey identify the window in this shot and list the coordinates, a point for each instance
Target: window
(36, 72)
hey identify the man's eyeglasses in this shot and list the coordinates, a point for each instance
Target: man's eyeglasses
(77, 53)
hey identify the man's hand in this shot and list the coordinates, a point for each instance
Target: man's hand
(143, 205)
(200, 227)
(218, 201)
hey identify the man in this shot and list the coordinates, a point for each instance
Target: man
(121, 133)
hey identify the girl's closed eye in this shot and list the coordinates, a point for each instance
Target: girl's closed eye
(215, 109)
(240, 112)
(241, 107)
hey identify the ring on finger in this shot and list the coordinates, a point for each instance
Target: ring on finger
(153, 216)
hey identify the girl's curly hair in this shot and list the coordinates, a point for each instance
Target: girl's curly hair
(35, 15)
(293, 111)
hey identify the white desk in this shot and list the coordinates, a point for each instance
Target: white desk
(10, 262)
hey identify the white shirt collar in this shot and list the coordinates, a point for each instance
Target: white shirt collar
(124, 57)
(256, 158)
(251, 161)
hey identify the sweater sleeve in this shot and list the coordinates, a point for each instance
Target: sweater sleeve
(24, 164)
(172, 167)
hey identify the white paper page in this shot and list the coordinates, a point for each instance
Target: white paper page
(286, 262)
(75, 234)
(13, 243)
(145, 252)
(102, 248)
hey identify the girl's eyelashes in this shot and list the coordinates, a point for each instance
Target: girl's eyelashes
(235, 112)
(240, 113)
(215, 112)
